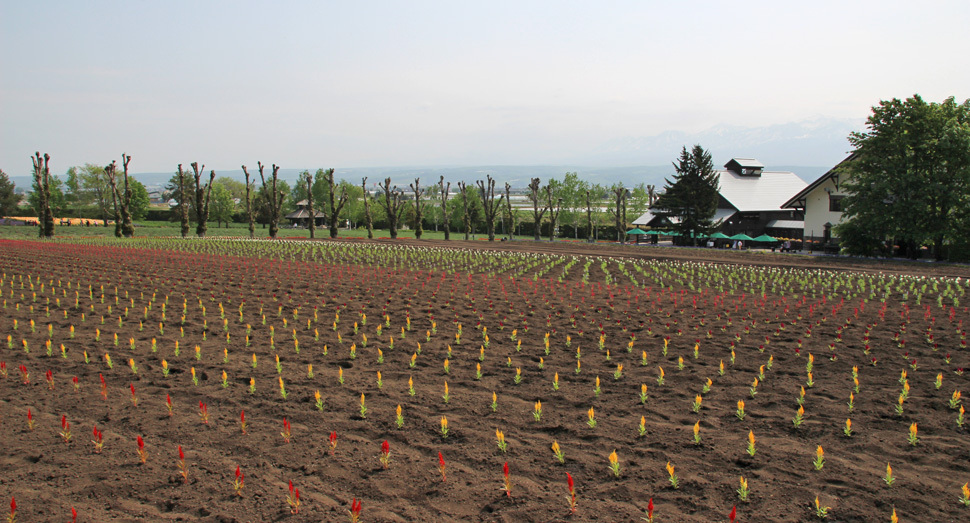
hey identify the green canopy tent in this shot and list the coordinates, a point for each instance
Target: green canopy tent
(638, 232)
(764, 238)
(719, 236)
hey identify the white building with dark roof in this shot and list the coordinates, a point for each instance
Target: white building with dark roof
(750, 201)
(821, 204)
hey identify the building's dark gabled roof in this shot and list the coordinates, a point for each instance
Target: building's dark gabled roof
(745, 166)
(798, 201)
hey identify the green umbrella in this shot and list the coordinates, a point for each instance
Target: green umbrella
(741, 236)
(765, 238)
(720, 236)
(636, 231)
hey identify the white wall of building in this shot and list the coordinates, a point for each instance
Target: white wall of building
(817, 212)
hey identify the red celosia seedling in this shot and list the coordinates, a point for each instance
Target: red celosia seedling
(12, 518)
(183, 470)
(441, 466)
(572, 493)
(50, 379)
(286, 430)
(142, 453)
(385, 454)
(649, 518)
(354, 511)
(73, 515)
(734, 513)
(168, 403)
(76, 384)
(65, 429)
(333, 442)
(203, 412)
(3, 369)
(134, 397)
(24, 375)
(98, 440)
(238, 483)
(104, 387)
(294, 499)
(242, 421)
(507, 483)
(30, 420)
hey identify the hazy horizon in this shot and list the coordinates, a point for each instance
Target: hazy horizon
(390, 84)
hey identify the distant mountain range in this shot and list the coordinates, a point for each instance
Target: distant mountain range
(808, 148)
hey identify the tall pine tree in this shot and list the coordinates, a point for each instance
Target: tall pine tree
(692, 196)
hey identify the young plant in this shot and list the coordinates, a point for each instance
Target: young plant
(751, 448)
(596, 389)
(912, 438)
(965, 495)
(333, 442)
(239, 482)
(819, 461)
(696, 405)
(847, 429)
(441, 467)
(672, 477)
(98, 440)
(697, 432)
(293, 499)
(821, 511)
(494, 404)
(660, 377)
(799, 416)
(572, 493)
(743, 491)
(286, 433)
(142, 453)
(614, 464)
(12, 518)
(537, 411)
(399, 420)
(204, 412)
(363, 406)
(707, 386)
(65, 430)
(30, 420)
(649, 518)
(354, 511)
(558, 452)
(740, 412)
(555, 382)
(410, 386)
(242, 421)
(507, 483)
(643, 393)
(591, 418)
(385, 456)
(889, 478)
(183, 469)
(444, 427)
(134, 397)
(642, 427)
(955, 400)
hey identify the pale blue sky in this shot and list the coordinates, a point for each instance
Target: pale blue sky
(353, 84)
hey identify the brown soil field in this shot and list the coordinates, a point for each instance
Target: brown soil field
(425, 306)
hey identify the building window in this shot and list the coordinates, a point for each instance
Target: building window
(835, 203)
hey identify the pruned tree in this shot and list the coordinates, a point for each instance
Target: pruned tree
(183, 203)
(491, 206)
(274, 198)
(619, 211)
(508, 211)
(367, 215)
(418, 214)
(121, 198)
(336, 202)
(444, 206)
(202, 194)
(553, 211)
(463, 188)
(42, 176)
(392, 205)
(537, 211)
(249, 203)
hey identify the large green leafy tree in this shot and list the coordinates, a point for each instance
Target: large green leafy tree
(910, 177)
(8, 199)
(223, 204)
(140, 201)
(692, 195)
